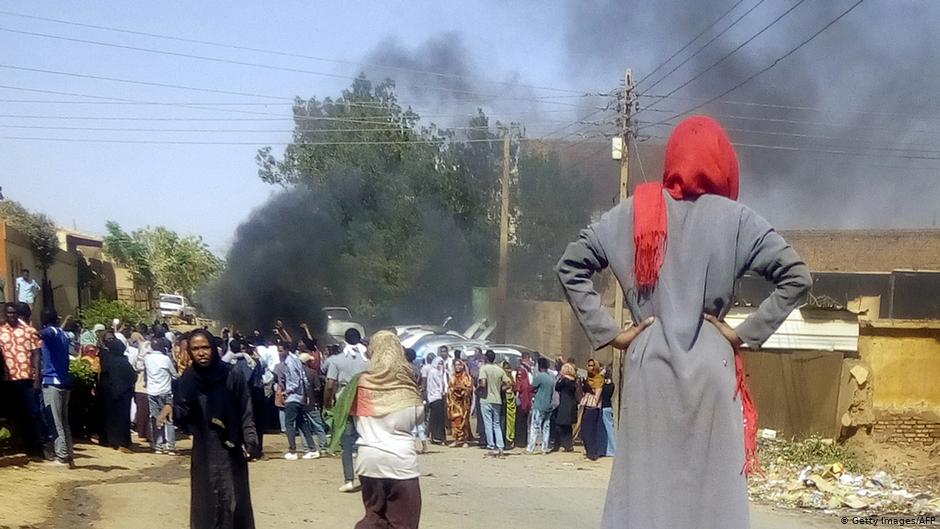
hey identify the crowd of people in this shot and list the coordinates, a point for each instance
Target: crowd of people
(540, 406)
(289, 385)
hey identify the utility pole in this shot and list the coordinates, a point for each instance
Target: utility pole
(502, 280)
(626, 111)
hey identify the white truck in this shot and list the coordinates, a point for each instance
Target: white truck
(338, 321)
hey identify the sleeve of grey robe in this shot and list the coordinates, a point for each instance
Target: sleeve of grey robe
(581, 260)
(762, 250)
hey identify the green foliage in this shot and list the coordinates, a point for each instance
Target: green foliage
(130, 253)
(82, 372)
(415, 205)
(811, 451)
(105, 311)
(161, 258)
(38, 228)
(550, 206)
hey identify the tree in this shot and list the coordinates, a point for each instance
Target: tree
(161, 258)
(38, 228)
(550, 202)
(413, 206)
(105, 311)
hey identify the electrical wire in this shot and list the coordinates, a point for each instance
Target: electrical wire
(687, 44)
(791, 107)
(826, 151)
(702, 48)
(735, 50)
(315, 143)
(274, 52)
(771, 65)
(867, 142)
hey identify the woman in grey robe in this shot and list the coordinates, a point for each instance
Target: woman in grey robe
(681, 450)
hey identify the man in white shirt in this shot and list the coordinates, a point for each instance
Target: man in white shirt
(160, 374)
(27, 290)
(341, 369)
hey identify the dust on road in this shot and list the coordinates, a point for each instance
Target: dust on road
(461, 488)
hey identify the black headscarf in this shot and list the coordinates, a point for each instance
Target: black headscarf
(221, 413)
(117, 374)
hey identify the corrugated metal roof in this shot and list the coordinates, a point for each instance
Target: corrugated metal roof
(801, 333)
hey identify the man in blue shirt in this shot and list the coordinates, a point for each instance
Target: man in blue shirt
(544, 386)
(57, 383)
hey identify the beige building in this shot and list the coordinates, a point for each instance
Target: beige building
(62, 287)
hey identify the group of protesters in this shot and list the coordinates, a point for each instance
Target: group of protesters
(134, 373)
(540, 406)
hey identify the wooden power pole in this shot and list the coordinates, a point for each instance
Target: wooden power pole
(502, 279)
(626, 110)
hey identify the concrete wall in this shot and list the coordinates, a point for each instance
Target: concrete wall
(548, 327)
(905, 361)
(796, 393)
(17, 254)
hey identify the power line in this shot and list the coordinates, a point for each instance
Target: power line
(279, 53)
(303, 131)
(735, 50)
(143, 83)
(791, 107)
(771, 65)
(664, 123)
(248, 64)
(702, 48)
(315, 143)
(687, 44)
(830, 151)
(866, 142)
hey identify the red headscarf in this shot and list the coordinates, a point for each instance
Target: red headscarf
(699, 160)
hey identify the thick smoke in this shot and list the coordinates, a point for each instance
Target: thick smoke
(874, 74)
(293, 256)
(280, 266)
(441, 80)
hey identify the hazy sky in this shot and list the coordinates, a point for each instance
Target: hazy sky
(209, 189)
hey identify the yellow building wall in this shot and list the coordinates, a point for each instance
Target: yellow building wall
(905, 364)
(63, 274)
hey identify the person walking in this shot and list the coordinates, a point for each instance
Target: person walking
(386, 406)
(677, 248)
(342, 368)
(57, 383)
(295, 387)
(213, 404)
(543, 384)
(492, 384)
(607, 412)
(160, 374)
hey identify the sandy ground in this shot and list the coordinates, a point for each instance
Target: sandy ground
(461, 488)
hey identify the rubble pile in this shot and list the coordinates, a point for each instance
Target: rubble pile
(830, 486)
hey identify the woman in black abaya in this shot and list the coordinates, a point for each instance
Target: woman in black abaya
(214, 402)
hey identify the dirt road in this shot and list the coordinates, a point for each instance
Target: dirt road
(461, 488)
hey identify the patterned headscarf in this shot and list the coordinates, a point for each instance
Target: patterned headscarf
(388, 385)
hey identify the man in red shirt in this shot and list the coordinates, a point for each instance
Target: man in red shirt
(21, 349)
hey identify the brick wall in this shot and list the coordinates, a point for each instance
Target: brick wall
(907, 430)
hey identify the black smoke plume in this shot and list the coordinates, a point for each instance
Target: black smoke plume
(864, 86)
